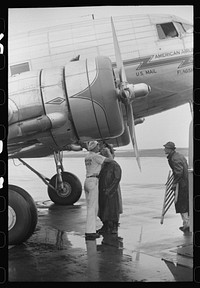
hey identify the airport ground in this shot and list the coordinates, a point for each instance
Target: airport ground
(143, 251)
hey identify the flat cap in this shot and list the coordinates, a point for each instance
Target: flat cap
(170, 145)
(92, 145)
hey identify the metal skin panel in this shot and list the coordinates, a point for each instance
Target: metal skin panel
(38, 110)
(29, 127)
(96, 112)
(122, 140)
(56, 108)
(25, 96)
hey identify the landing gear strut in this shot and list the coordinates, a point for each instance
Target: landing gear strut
(67, 187)
(64, 188)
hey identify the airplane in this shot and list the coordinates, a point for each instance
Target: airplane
(93, 80)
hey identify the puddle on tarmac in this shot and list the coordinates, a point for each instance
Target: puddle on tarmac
(77, 241)
(110, 247)
(103, 259)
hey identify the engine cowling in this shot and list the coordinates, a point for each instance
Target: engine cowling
(93, 99)
(121, 140)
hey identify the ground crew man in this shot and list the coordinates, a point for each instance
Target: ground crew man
(93, 162)
(179, 167)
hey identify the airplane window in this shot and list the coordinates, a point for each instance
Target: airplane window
(187, 27)
(75, 58)
(19, 68)
(166, 30)
(184, 28)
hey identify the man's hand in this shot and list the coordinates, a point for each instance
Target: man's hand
(174, 187)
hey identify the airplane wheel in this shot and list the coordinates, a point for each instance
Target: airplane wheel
(22, 215)
(71, 192)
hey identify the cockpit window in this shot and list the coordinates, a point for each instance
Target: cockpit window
(184, 28)
(187, 27)
(166, 30)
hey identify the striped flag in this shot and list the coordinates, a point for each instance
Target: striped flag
(168, 197)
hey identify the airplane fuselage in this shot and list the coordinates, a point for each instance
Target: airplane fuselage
(149, 55)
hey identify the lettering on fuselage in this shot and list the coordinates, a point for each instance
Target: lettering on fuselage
(183, 71)
(172, 53)
(182, 57)
(146, 72)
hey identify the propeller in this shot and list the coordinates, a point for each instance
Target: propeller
(126, 93)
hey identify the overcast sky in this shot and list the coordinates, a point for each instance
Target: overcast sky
(172, 125)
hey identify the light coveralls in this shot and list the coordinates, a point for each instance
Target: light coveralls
(93, 162)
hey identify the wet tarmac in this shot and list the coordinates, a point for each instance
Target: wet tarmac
(143, 251)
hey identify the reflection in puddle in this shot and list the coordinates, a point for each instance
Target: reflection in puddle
(59, 239)
(77, 241)
(113, 240)
(103, 259)
(93, 261)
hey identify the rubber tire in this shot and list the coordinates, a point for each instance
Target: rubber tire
(26, 215)
(76, 187)
(32, 206)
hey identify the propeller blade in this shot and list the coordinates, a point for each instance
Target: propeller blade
(131, 125)
(128, 92)
(119, 62)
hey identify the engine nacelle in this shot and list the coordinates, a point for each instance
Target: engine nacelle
(93, 99)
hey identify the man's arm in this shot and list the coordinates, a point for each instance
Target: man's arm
(177, 170)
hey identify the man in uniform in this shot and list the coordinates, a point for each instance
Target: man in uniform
(179, 167)
(93, 162)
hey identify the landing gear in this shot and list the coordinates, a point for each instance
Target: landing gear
(22, 215)
(64, 188)
(67, 187)
(70, 191)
